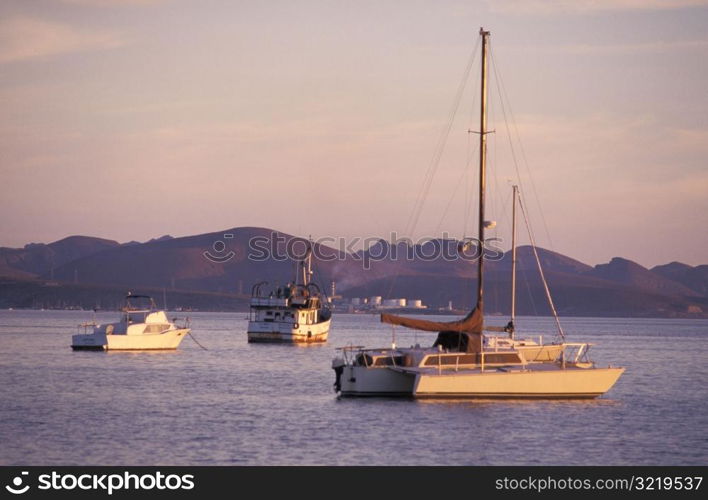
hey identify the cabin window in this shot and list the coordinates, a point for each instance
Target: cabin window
(451, 360)
(502, 357)
(136, 318)
(390, 361)
(155, 328)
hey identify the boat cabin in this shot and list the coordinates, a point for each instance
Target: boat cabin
(296, 304)
(433, 358)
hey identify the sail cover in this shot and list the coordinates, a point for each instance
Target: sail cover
(464, 334)
(472, 323)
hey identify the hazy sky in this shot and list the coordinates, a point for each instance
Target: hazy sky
(132, 119)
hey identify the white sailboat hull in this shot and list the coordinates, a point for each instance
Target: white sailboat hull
(285, 332)
(571, 383)
(120, 342)
(363, 381)
(534, 382)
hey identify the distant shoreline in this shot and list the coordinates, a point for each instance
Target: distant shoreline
(501, 317)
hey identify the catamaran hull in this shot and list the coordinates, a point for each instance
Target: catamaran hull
(280, 332)
(144, 342)
(570, 383)
(363, 381)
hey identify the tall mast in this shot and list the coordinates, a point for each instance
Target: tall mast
(308, 272)
(513, 259)
(303, 270)
(304, 266)
(482, 166)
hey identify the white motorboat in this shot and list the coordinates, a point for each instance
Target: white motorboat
(296, 313)
(141, 327)
(458, 365)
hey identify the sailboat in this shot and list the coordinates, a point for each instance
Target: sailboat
(458, 365)
(295, 313)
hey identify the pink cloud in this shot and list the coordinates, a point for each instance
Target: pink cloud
(23, 38)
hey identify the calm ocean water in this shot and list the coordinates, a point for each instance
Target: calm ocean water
(244, 404)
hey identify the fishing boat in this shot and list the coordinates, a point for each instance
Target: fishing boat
(296, 313)
(458, 365)
(141, 327)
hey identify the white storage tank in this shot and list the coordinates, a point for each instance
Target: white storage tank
(375, 300)
(356, 301)
(417, 303)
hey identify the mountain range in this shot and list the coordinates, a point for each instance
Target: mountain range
(217, 270)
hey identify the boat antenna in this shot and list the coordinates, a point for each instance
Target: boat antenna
(309, 260)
